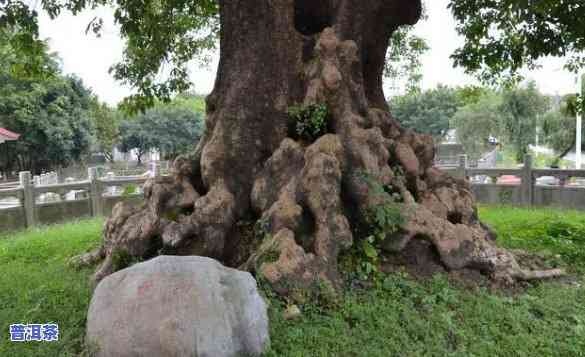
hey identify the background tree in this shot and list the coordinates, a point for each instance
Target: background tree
(23, 56)
(171, 130)
(52, 112)
(471, 94)
(180, 130)
(403, 59)
(54, 118)
(135, 136)
(501, 37)
(510, 115)
(559, 127)
(106, 122)
(476, 122)
(190, 100)
(428, 112)
(520, 110)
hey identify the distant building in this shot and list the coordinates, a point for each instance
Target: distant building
(7, 135)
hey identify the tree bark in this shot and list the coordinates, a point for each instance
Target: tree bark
(139, 155)
(109, 156)
(309, 199)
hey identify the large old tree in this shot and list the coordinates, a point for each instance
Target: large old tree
(311, 197)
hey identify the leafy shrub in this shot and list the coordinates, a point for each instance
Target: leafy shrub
(567, 239)
(122, 259)
(129, 190)
(381, 220)
(310, 120)
(261, 228)
(561, 229)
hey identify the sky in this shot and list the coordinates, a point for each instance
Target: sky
(89, 57)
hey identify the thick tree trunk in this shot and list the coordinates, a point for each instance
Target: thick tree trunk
(139, 155)
(109, 156)
(308, 199)
(565, 152)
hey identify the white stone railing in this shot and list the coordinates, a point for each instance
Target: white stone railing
(31, 202)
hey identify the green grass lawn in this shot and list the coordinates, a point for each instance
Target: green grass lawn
(401, 317)
(36, 286)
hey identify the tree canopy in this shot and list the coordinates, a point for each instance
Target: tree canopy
(60, 119)
(520, 110)
(559, 126)
(54, 113)
(170, 129)
(164, 37)
(54, 118)
(477, 122)
(427, 112)
(23, 56)
(106, 121)
(511, 115)
(403, 58)
(503, 36)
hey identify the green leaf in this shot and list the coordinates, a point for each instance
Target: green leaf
(369, 250)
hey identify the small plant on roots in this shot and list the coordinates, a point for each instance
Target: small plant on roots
(310, 120)
(381, 221)
(129, 190)
(261, 228)
(122, 259)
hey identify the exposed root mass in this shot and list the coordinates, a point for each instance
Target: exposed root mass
(303, 194)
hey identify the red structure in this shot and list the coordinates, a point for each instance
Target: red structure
(7, 135)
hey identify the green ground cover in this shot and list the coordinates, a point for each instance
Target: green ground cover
(400, 317)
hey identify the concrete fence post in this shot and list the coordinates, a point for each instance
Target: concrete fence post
(461, 166)
(527, 181)
(95, 192)
(28, 201)
(154, 169)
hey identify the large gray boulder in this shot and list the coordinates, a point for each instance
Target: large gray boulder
(177, 306)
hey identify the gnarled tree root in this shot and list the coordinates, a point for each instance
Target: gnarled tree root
(303, 194)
